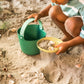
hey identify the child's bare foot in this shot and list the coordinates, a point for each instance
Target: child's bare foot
(65, 38)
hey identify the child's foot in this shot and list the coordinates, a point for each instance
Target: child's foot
(65, 38)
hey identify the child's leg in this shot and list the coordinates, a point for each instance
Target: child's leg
(73, 26)
(59, 19)
(70, 26)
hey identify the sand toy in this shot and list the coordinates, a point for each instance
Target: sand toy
(48, 44)
(28, 36)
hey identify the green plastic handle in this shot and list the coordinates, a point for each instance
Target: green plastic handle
(27, 23)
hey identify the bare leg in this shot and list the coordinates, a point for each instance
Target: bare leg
(73, 26)
(67, 36)
(59, 19)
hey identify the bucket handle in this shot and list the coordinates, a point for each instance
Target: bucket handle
(26, 23)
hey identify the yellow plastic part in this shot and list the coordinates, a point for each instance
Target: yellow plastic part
(55, 40)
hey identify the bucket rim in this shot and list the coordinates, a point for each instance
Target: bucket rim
(28, 40)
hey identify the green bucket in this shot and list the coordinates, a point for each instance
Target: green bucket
(28, 36)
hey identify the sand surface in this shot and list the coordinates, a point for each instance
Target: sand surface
(19, 68)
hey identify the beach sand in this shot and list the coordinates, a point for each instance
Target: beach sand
(44, 68)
